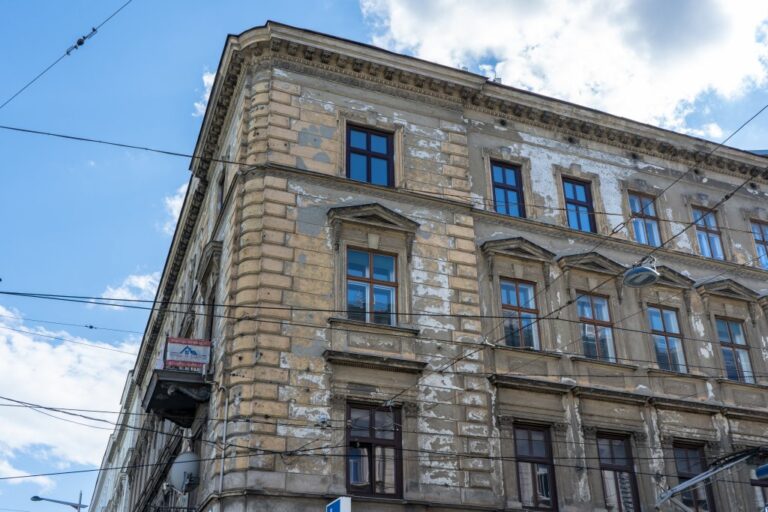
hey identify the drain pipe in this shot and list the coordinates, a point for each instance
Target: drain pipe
(224, 437)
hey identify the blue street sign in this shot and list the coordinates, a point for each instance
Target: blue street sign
(339, 505)
(761, 472)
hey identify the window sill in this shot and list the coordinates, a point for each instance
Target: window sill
(358, 326)
(723, 380)
(673, 373)
(612, 364)
(374, 361)
(532, 351)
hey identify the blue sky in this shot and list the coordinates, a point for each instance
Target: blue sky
(84, 219)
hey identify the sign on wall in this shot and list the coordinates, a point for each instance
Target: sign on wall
(187, 354)
(339, 505)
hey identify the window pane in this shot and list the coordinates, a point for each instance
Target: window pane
(611, 493)
(581, 192)
(662, 357)
(716, 246)
(385, 470)
(379, 144)
(357, 167)
(538, 442)
(573, 216)
(357, 139)
(513, 203)
(745, 365)
(501, 200)
(357, 301)
(357, 263)
(585, 222)
(600, 305)
(527, 296)
(676, 357)
(648, 207)
(619, 452)
(383, 267)
(522, 437)
(652, 231)
(703, 244)
(570, 193)
(729, 361)
(604, 449)
(634, 203)
(498, 174)
(722, 331)
(626, 490)
(585, 306)
(762, 256)
(588, 340)
(737, 333)
(512, 331)
(383, 305)
(511, 177)
(379, 171)
(638, 226)
(360, 422)
(384, 423)
(654, 317)
(358, 464)
(525, 474)
(508, 293)
(605, 340)
(543, 485)
(529, 331)
(670, 321)
(757, 232)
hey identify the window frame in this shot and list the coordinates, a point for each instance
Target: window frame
(371, 282)
(735, 347)
(708, 231)
(666, 334)
(532, 459)
(596, 323)
(373, 442)
(519, 189)
(644, 216)
(617, 468)
(368, 154)
(684, 476)
(589, 203)
(763, 227)
(518, 309)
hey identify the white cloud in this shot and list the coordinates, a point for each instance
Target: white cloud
(173, 204)
(134, 287)
(647, 60)
(200, 106)
(37, 370)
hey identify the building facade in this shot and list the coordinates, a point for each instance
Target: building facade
(411, 279)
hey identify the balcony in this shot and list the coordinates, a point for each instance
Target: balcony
(178, 384)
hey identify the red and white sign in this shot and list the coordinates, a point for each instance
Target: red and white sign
(187, 354)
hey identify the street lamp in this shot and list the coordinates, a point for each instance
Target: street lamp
(77, 506)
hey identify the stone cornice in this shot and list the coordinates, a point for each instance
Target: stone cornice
(374, 361)
(354, 61)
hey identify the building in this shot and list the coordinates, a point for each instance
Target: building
(411, 277)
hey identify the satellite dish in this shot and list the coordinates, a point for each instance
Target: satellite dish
(185, 472)
(641, 275)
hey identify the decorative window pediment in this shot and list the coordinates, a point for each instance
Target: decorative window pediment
(728, 288)
(517, 247)
(374, 215)
(591, 262)
(673, 279)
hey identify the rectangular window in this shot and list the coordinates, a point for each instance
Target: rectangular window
(371, 287)
(369, 156)
(518, 306)
(507, 189)
(535, 471)
(708, 234)
(735, 350)
(578, 205)
(645, 221)
(374, 455)
(667, 339)
(760, 231)
(618, 473)
(596, 327)
(690, 462)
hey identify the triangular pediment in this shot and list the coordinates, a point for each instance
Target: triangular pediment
(372, 214)
(728, 288)
(673, 278)
(517, 247)
(592, 262)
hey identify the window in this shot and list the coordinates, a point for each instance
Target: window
(735, 351)
(708, 234)
(596, 327)
(369, 156)
(760, 230)
(507, 189)
(578, 205)
(518, 306)
(667, 340)
(220, 189)
(645, 222)
(371, 287)
(690, 462)
(374, 451)
(535, 472)
(761, 490)
(616, 468)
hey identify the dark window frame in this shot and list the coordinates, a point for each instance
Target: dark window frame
(373, 442)
(518, 309)
(666, 334)
(683, 476)
(611, 466)
(368, 154)
(518, 190)
(548, 460)
(589, 204)
(645, 216)
(705, 212)
(597, 323)
(762, 260)
(370, 281)
(735, 347)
